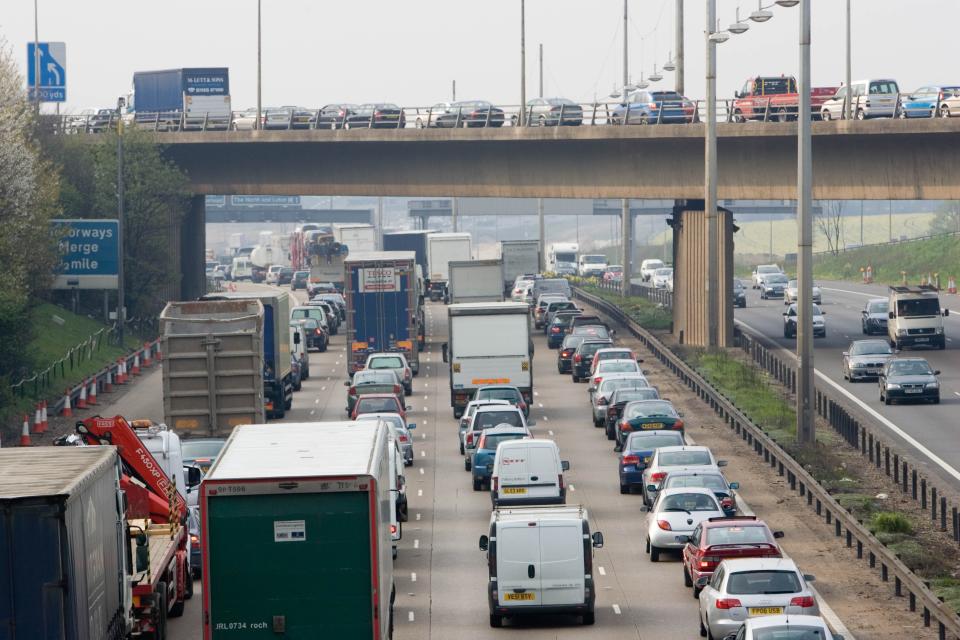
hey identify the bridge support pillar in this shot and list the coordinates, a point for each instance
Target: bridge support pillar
(193, 240)
(690, 312)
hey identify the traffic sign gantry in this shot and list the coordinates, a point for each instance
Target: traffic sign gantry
(53, 71)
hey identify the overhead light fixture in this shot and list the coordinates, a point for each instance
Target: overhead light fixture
(670, 64)
(655, 77)
(738, 27)
(761, 14)
(643, 84)
(719, 37)
(788, 3)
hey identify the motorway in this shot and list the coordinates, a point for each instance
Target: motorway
(932, 427)
(441, 575)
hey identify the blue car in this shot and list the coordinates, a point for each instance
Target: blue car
(926, 102)
(486, 451)
(654, 107)
(558, 328)
(637, 452)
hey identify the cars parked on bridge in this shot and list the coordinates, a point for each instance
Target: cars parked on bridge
(876, 98)
(775, 98)
(334, 116)
(654, 107)
(929, 102)
(471, 113)
(909, 380)
(554, 112)
(380, 115)
(790, 319)
(865, 359)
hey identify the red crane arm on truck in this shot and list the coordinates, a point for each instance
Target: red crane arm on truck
(138, 463)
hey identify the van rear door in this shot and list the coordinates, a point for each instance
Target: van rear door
(561, 562)
(518, 565)
(543, 480)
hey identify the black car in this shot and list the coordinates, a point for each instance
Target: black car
(565, 354)
(376, 116)
(583, 358)
(471, 113)
(299, 280)
(619, 400)
(316, 336)
(909, 379)
(334, 116)
(285, 276)
(739, 294)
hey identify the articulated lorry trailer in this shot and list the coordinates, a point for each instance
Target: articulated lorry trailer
(213, 365)
(296, 522)
(383, 307)
(475, 281)
(191, 99)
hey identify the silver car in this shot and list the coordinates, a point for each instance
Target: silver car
(467, 418)
(674, 516)
(601, 395)
(400, 429)
(873, 318)
(791, 293)
(667, 459)
(865, 359)
(751, 588)
(786, 628)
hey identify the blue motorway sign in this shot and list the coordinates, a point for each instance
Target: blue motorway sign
(88, 254)
(53, 71)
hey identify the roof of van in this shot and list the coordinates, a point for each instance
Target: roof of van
(473, 308)
(526, 443)
(547, 512)
(298, 449)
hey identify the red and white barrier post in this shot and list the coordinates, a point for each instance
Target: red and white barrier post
(92, 396)
(67, 411)
(37, 419)
(82, 400)
(43, 417)
(25, 432)
(135, 369)
(147, 359)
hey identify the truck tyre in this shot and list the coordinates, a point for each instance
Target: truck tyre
(458, 413)
(496, 621)
(160, 612)
(288, 404)
(589, 618)
(477, 484)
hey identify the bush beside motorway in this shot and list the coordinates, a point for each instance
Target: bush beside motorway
(917, 257)
(647, 314)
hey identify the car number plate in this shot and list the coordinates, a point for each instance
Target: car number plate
(519, 596)
(514, 490)
(922, 339)
(653, 425)
(913, 390)
(680, 538)
(647, 459)
(766, 611)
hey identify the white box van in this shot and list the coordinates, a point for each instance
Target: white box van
(528, 471)
(540, 561)
(242, 269)
(915, 318)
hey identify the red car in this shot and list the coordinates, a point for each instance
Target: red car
(379, 403)
(725, 538)
(775, 99)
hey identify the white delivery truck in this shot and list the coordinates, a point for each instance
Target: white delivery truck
(358, 238)
(519, 257)
(441, 249)
(475, 281)
(540, 561)
(562, 258)
(489, 344)
(591, 265)
(915, 318)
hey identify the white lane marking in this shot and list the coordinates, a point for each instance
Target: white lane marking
(602, 571)
(550, 432)
(323, 388)
(572, 488)
(546, 418)
(616, 610)
(423, 454)
(312, 411)
(421, 470)
(413, 577)
(410, 616)
(423, 436)
(416, 543)
(419, 493)
(418, 516)
(317, 401)
(536, 393)
(424, 397)
(540, 404)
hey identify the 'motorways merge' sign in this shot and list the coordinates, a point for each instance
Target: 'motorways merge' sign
(88, 254)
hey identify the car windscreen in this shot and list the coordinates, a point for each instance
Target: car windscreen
(629, 395)
(573, 341)
(374, 377)
(560, 306)
(591, 331)
(649, 409)
(377, 405)
(685, 458)
(775, 279)
(498, 394)
(608, 386)
(645, 441)
(316, 312)
(880, 306)
(594, 259)
(563, 320)
(767, 269)
(488, 419)
(664, 272)
(918, 307)
(654, 264)
(386, 363)
(590, 348)
(710, 481)
(750, 534)
(910, 368)
(791, 632)
(612, 366)
(491, 441)
(689, 502)
(752, 583)
(869, 348)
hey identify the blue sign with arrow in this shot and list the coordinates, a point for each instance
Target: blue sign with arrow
(53, 71)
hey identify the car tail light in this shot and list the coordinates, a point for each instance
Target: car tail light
(709, 562)
(403, 438)
(625, 426)
(597, 380)
(495, 483)
(469, 439)
(194, 539)
(554, 329)
(578, 358)
(663, 524)
(316, 332)
(727, 503)
(393, 529)
(803, 601)
(678, 425)
(396, 388)
(653, 105)
(631, 459)
(728, 603)
(658, 476)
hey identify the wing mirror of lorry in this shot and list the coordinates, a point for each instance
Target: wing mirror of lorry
(443, 347)
(565, 465)
(778, 534)
(597, 540)
(721, 463)
(890, 314)
(703, 581)
(946, 312)
(194, 476)
(807, 577)
(411, 426)
(296, 337)
(484, 543)
(937, 372)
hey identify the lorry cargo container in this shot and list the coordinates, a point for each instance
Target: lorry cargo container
(213, 366)
(277, 368)
(442, 248)
(476, 281)
(383, 311)
(62, 546)
(358, 238)
(519, 257)
(415, 241)
(562, 258)
(489, 344)
(313, 503)
(197, 99)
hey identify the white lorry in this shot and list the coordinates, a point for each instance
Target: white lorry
(915, 318)
(475, 281)
(489, 344)
(562, 258)
(359, 238)
(441, 249)
(591, 265)
(519, 257)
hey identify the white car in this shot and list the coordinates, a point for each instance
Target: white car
(488, 416)
(648, 267)
(750, 588)
(803, 627)
(663, 276)
(878, 98)
(520, 290)
(764, 270)
(273, 274)
(667, 459)
(790, 294)
(467, 418)
(675, 514)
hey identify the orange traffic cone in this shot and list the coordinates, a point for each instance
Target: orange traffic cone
(43, 418)
(82, 400)
(135, 369)
(67, 411)
(147, 360)
(121, 371)
(25, 432)
(108, 381)
(159, 354)
(92, 396)
(37, 417)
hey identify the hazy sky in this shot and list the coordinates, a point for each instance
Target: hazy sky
(317, 51)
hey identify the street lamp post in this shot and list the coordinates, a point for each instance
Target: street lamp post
(710, 179)
(848, 111)
(121, 294)
(625, 246)
(523, 63)
(678, 46)
(805, 388)
(259, 124)
(36, 56)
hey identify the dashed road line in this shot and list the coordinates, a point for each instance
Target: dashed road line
(602, 571)
(616, 609)
(413, 577)
(410, 616)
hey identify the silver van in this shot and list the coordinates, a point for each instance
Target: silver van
(551, 285)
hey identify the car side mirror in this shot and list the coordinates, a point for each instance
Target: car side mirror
(645, 372)
(296, 337)
(937, 372)
(194, 475)
(639, 360)
(778, 534)
(946, 312)
(864, 312)
(484, 543)
(890, 314)
(443, 347)
(651, 488)
(703, 581)
(411, 426)
(597, 540)
(346, 383)
(721, 463)
(565, 465)
(591, 389)
(734, 485)
(531, 423)
(736, 94)
(808, 577)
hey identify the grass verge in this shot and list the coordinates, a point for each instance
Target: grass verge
(646, 313)
(918, 258)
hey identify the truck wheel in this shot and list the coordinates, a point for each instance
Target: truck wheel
(160, 612)
(279, 410)
(496, 621)
(288, 404)
(477, 484)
